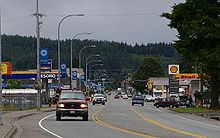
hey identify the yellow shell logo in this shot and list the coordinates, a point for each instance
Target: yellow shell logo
(173, 69)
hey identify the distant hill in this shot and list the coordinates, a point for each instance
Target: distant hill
(118, 58)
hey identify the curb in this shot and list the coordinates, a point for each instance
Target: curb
(205, 115)
(13, 130)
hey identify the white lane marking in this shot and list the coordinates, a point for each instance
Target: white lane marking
(190, 119)
(39, 123)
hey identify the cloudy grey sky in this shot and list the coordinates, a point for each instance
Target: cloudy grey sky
(131, 21)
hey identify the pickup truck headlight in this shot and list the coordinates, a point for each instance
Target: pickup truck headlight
(60, 105)
(83, 105)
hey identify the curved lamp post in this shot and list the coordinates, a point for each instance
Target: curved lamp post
(96, 73)
(93, 66)
(71, 58)
(88, 63)
(58, 45)
(103, 79)
(103, 75)
(91, 46)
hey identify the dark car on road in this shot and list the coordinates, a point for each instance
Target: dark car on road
(99, 99)
(138, 99)
(72, 103)
(167, 102)
(185, 101)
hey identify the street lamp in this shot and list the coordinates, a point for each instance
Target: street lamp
(58, 33)
(91, 46)
(96, 73)
(37, 14)
(71, 58)
(88, 63)
(93, 66)
(103, 80)
(103, 75)
(89, 76)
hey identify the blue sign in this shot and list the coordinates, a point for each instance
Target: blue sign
(63, 68)
(43, 55)
(173, 85)
(82, 77)
(46, 66)
(74, 76)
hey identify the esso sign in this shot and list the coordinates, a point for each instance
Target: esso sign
(48, 76)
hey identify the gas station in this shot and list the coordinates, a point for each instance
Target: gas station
(176, 84)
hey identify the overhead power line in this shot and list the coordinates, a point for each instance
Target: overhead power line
(120, 14)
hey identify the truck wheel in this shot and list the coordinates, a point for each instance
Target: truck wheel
(132, 104)
(142, 104)
(58, 117)
(85, 118)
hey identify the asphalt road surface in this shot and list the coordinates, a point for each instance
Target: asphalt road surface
(118, 119)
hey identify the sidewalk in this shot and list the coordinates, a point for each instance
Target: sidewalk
(8, 129)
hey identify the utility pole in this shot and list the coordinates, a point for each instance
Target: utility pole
(38, 23)
(1, 123)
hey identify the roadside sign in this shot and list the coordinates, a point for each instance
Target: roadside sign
(82, 77)
(173, 85)
(6, 68)
(187, 76)
(43, 55)
(46, 66)
(173, 69)
(74, 77)
(63, 68)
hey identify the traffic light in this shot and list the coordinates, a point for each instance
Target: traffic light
(124, 81)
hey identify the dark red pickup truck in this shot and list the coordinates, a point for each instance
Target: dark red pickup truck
(72, 103)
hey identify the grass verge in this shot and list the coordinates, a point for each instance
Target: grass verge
(194, 110)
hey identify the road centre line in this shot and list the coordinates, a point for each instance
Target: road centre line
(167, 127)
(95, 118)
(39, 123)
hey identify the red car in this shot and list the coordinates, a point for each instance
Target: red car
(167, 102)
(72, 103)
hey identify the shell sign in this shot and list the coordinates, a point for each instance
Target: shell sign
(6, 68)
(187, 76)
(173, 69)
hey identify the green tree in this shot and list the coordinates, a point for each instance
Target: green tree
(14, 84)
(198, 26)
(150, 67)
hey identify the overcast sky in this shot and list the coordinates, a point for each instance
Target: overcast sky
(131, 21)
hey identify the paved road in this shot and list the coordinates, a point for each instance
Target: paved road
(118, 119)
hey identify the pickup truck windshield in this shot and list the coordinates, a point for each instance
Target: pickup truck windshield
(72, 96)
